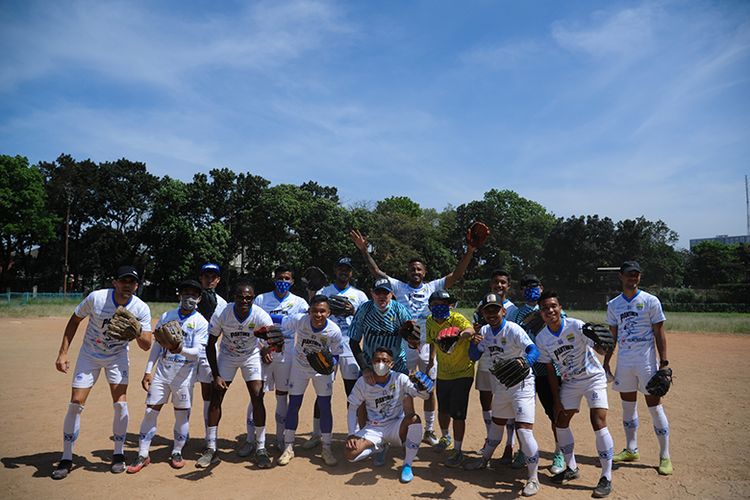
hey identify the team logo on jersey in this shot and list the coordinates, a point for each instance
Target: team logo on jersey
(392, 387)
(570, 337)
(639, 306)
(503, 341)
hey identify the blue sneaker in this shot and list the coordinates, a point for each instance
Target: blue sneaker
(378, 459)
(406, 474)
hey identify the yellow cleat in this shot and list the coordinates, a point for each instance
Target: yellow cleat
(665, 467)
(626, 456)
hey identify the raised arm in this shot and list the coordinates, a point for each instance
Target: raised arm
(460, 269)
(361, 243)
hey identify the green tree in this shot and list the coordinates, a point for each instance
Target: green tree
(711, 263)
(652, 244)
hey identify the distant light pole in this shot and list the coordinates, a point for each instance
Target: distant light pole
(69, 198)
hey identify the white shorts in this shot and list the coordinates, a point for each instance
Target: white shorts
(484, 380)
(593, 389)
(633, 378)
(250, 367)
(519, 404)
(276, 374)
(418, 359)
(203, 373)
(181, 391)
(380, 434)
(348, 367)
(300, 376)
(88, 368)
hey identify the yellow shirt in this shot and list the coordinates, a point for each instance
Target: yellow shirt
(456, 364)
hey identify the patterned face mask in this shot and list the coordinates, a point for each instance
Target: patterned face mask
(380, 369)
(440, 311)
(188, 303)
(282, 286)
(532, 294)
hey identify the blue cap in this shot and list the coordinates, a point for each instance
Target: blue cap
(344, 261)
(630, 265)
(382, 284)
(209, 266)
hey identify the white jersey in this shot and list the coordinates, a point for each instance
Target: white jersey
(289, 305)
(416, 299)
(311, 339)
(100, 306)
(485, 362)
(508, 341)
(384, 403)
(239, 340)
(180, 366)
(570, 350)
(357, 297)
(634, 319)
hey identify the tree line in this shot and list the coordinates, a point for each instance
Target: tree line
(95, 216)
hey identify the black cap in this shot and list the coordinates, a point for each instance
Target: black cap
(530, 280)
(491, 299)
(344, 261)
(127, 272)
(630, 265)
(441, 295)
(189, 284)
(383, 284)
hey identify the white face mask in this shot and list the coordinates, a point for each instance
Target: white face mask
(188, 303)
(381, 369)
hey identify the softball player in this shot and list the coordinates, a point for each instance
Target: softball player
(175, 376)
(636, 320)
(99, 351)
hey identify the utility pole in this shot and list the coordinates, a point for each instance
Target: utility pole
(747, 206)
(69, 198)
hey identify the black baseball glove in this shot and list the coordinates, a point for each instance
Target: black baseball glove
(321, 361)
(272, 335)
(660, 383)
(340, 306)
(510, 372)
(409, 331)
(601, 336)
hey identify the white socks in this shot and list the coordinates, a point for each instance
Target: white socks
(531, 450)
(211, 437)
(494, 438)
(567, 443)
(120, 426)
(181, 429)
(148, 430)
(661, 428)
(71, 427)
(250, 423)
(630, 424)
(429, 420)
(411, 444)
(606, 449)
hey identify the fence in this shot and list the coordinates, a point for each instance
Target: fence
(26, 298)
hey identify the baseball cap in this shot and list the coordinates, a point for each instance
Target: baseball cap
(491, 299)
(530, 280)
(344, 261)
(630, 265)
(209, 266)
(382, 284)
(441, 295)
(189, 284)
(127, 272)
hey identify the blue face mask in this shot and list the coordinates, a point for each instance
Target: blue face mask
(440, 311)
(282, 286)
(532, 294)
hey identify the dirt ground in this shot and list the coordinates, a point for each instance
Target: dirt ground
(708, 408)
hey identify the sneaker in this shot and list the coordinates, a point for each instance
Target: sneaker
(665, 467)
(328, 456)
(603, 488)
(507, 457)
(444, 443)
(558, 463)
(378, 459)
(478, 463)
(246, 449)
(140, 463)
(286, 457)
(118, 464)
(531, 488)
(207, 458)
(565, 476)
(311, 443)
(430, 438)
(176, 461)
(262, 460)
(406, 474)
(455, 460)
(626, 456)
(63, 469)
(519, 461)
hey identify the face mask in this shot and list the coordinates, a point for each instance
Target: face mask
(188, 303)
(282, 286)
(440, 311)
(532, 294)
(381, 369)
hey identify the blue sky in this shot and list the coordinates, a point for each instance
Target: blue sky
(620, 109)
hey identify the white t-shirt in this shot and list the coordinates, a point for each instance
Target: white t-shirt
(384, 403)
(289, 305)
(507, 342)
(100, 306)
(570, 350)
(310, 339)
(634, 320)
(238, 340)
(485, 362)
(357, 297)
(194, 339)
(417, 299)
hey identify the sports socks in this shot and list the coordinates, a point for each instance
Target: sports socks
(326, 420)
(282, 404)
(530, 448)
(606, 449)
(120, 426)
(211, 433)
(510, 427)
(181, 428)
(411, 444)
(487, 417)
(71, 427)
(148, 431)
(567, 444)
(630, 424)
(250, 423)
(365, 453)
(260, 436)
(429, 420)
(661, 428)
(494, 438)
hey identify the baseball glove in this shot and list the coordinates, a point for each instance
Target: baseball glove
(124, 325)
(477, 234)
(601, 336)
(447, 338)
(272, 335)
(410, 332)
(533, 323)
(169, 336)
(660, 383)
(510, 372)
(321, 361)
(314, 278)
(340, 306)
(422, 381)
(208, 303)
(479, 318)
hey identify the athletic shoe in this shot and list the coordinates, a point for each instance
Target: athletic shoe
(430, 438)
(118, 464)
(531, 488)
(603, 488)
(207, 458)
(507, 457)
(176, 461)
(311, 443)
(246, 449)
(478, 463)
(444, 443)
(378, 459)
(565, 476)
(626, 456)
(665, 467)
(558, 463)
(328, 457)
(139, 464)
(519, 461)
(262, 460)
(286, 457)
(63, 469)
(406, 474)
(455, 460)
